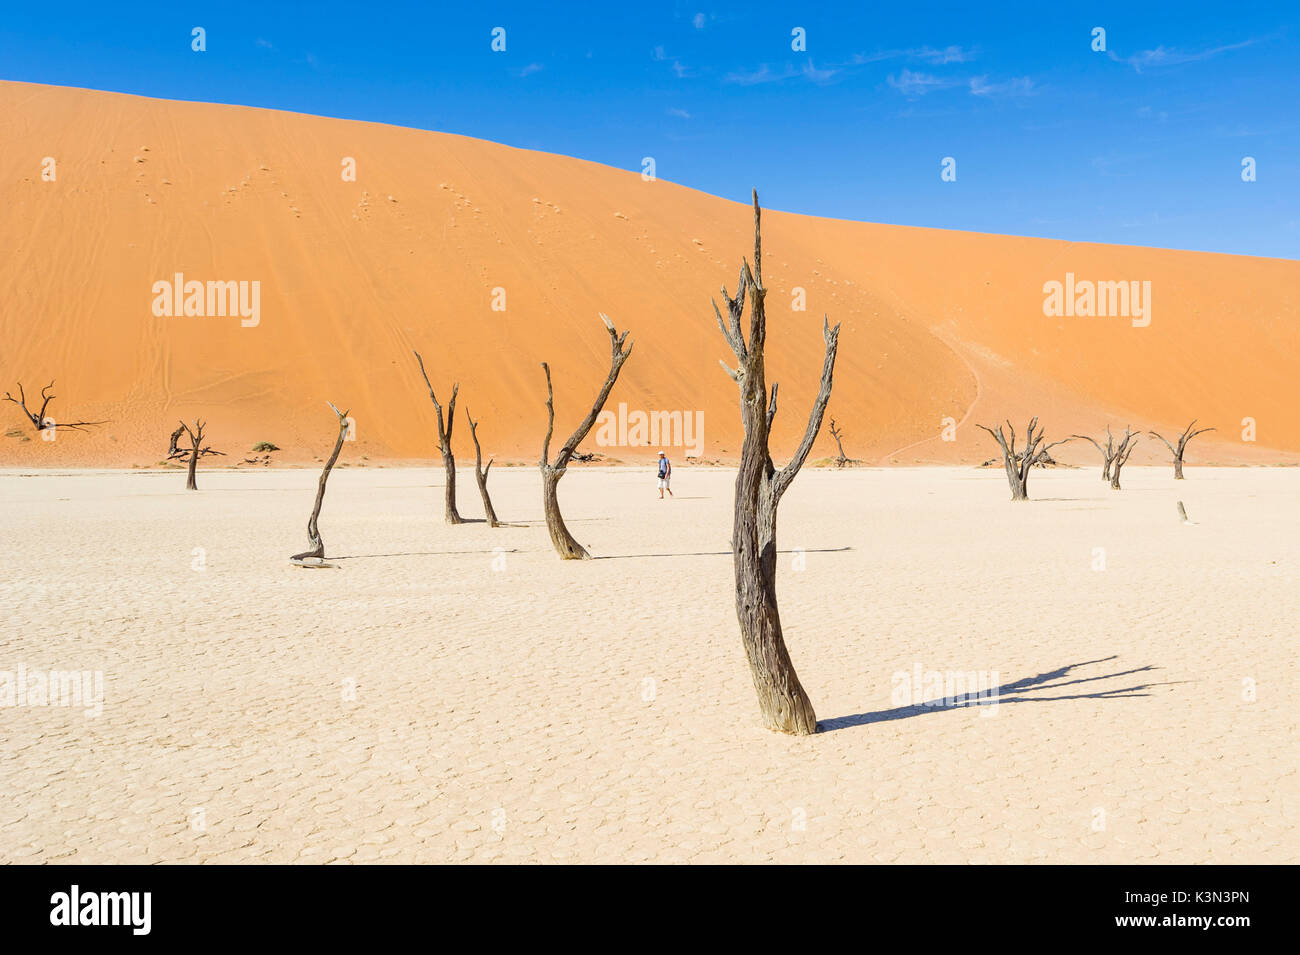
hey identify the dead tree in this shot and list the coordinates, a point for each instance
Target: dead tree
(38, 419)
(481, 473)
(1122, 452)
(1182, 446)
(842, 460)
(552, 471)
(1018, 465)
(316, 555)
(1107, 453)
(444, 444)
(759, 487)
(191, 454)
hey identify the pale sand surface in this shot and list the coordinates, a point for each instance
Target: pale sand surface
(517, 696)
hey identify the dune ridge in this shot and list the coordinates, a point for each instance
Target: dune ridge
(437, 228)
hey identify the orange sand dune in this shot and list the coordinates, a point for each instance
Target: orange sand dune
(354, 275)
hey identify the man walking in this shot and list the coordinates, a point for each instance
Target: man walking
(665, 475)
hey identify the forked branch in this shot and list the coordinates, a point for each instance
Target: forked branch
(38, 418)
(1177, 452)
(552, 470)
(481, 473)
(450, 513)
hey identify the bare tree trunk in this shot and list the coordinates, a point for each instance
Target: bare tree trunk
(782, 701)
(565, 545)
(317, 545)
(1018, 466)
(192, 455)
(552, 471)
(481, 473)
(1177, 452)
(450, 513)
(1107, 453)
(1019, 483)
(1122, 453)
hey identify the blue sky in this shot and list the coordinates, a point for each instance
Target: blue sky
(1141, 144)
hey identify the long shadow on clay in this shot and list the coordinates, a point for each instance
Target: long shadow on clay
(1017, 692)
(720, 553)
(430, 553)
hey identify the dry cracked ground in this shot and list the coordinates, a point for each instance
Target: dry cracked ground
(459, 694)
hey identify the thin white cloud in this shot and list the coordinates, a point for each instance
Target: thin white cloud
(679, 113)
(911, 83)
(1016, 86)
(531, 68)
(818, 76)
(937, 57)
(949, 54)
(915, 83)
(1170, 56)
(699, 20)
(764, 74)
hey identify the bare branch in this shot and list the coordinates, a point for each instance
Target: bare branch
(1166, 441)
(48, 398)
(617, 356)
(1042, 454)
(565, 545)
(450, 513)
(550, 417)
(38, 419)
(451, 410)
(481, 473)
(784, 476)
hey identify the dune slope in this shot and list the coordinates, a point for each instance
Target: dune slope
(437, 229)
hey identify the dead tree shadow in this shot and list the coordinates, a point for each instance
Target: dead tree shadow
(500, 523)
(567, 520)
(1016, 692)
(430, 553)
(722, 553)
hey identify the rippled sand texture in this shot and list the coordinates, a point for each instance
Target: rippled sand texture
(438, 229)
